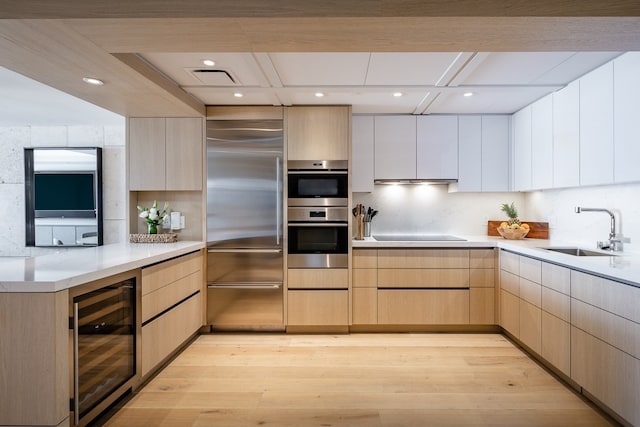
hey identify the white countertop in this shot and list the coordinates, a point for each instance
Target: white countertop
(58, 271)
(623, 266)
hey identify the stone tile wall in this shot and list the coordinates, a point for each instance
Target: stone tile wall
(13, 140)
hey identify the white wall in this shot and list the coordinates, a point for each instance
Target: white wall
(431, 209)
(12, 207)
(557, 207)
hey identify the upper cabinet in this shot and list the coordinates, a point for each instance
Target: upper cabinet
(521, 161)
(566, 136)
(318, 133)
(395, 147)
(165, 154)
(362, 146)
(437, 147)
(596, 126)
(542, 143)
(626, 105)
(483, 153)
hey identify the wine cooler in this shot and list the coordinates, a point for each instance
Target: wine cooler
(104, 347)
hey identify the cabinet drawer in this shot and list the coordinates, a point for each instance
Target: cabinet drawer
(615, 330)
(510, 313)
(510, 262)
(423, 278)
(556, 342)
(556, 303)
(365, 258)
(481, 277)
(423, 307)
(530, 326)
(160, 275)
(481, 258)
(365, 278)
(166, 333)
(318, 278)
(318, 308)
(556, 277)
(482, 306)
(510, 282)
(423, 258)
(365, 306)
(531, 269)
(609, 295)
(159, 300)
(531, 292)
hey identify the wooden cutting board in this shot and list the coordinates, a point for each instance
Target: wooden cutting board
(538, 230)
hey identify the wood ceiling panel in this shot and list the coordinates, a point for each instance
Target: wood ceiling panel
(51, 53)
(455, 34)
(297, 8)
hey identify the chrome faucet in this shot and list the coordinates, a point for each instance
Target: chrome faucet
(615, 241)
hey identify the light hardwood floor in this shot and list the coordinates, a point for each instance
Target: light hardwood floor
(371, 380)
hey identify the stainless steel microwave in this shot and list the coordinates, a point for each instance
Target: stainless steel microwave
(318, 183)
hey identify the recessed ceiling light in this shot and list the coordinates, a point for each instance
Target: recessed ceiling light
(238, 95)
(92, 81)
(467, 94)
(208, 62)
(397, 94)
(319, 94)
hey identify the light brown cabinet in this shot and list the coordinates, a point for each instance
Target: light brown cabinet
(318, 132)
(165, 154)
(318, 297)
(318, 308)
(423, 286)
(556, 315)
(605, 342)
(171, 307)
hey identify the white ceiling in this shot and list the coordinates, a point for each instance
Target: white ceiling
(430, 82)
(26, 102)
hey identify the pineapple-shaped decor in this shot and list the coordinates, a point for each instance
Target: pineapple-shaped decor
(512, 229)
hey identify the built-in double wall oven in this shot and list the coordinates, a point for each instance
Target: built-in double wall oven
(318, 216)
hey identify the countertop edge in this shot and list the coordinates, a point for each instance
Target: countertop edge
(108, 260)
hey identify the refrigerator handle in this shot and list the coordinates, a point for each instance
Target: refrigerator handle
(278, 201)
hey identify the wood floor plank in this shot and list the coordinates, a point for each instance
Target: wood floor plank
(373, 380)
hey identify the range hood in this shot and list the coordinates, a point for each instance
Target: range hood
(415, 181)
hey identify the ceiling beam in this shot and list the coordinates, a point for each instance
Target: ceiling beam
(47, 9)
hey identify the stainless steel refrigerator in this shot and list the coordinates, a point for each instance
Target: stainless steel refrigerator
(244, 225)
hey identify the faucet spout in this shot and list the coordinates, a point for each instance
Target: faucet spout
(614, 243)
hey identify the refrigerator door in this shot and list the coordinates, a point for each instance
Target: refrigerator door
(244, 183)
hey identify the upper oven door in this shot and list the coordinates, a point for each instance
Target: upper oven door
(318, 188)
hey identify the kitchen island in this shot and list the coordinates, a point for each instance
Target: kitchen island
(36, 296)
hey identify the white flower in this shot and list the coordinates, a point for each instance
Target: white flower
(153, 215)
(153, 211)
(144, 214)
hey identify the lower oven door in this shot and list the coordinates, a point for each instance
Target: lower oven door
(245, 290)
(318, 245)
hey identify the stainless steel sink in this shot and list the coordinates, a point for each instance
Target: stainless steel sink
(577, 251)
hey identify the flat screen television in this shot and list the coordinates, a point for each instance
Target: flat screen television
(64, 194)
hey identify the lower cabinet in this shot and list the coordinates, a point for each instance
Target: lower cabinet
(318, 307)
(166, 333)
(318, 297)
(423, 286)
(171, 307)
(584, 326)
(423, 307)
